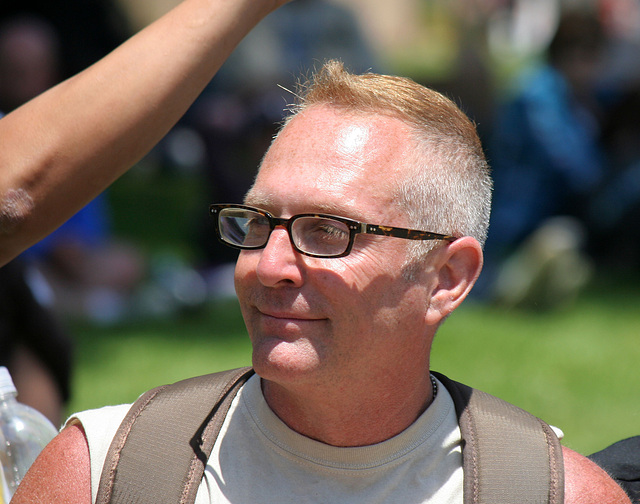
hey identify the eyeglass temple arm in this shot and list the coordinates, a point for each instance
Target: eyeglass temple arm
(409, 234)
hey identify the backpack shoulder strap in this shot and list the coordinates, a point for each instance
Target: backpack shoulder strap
(155, 455)
(509, 455)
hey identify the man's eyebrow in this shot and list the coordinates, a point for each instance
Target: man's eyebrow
(265, 202)
(338, 210)
(258, 200)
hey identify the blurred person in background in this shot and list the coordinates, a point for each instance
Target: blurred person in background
(615, 210)
(86, 29)
(548, 162)
(34, 345)
(566, 162)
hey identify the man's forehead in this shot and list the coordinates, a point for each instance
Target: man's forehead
(333, 143)
(329, 161)
(347, 129)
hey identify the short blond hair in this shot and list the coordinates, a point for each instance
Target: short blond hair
(448, 187)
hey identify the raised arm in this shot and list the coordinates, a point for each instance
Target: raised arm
(64, 147)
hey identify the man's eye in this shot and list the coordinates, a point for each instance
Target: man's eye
(333, 231)
(328, 230)
(255, 225)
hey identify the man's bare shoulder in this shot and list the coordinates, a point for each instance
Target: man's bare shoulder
(61, 473)
(587, 483)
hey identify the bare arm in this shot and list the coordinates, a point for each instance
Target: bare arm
(64, 147)
(587, 483)
(60, 474)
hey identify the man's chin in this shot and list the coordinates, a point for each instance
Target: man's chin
(285, 362)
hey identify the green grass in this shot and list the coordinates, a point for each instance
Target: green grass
(116, 364)
(577, 369)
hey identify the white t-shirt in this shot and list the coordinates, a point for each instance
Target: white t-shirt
(258, 459)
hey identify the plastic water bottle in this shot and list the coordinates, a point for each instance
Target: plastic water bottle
(24, 432)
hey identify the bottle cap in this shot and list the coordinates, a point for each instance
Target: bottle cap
(6, 383)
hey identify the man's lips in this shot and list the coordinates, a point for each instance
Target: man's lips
(288, 316)
(285, 325)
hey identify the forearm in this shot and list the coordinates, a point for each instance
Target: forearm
(64, 147)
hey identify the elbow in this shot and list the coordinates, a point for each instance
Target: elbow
(16, 208)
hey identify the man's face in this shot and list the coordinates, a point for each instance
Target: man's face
(319, 321)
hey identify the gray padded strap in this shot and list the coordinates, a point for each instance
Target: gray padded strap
(509, 455)
(155, 456)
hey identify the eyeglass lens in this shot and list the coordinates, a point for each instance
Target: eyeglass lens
(320, 235)
(243, 227)
(313, 235)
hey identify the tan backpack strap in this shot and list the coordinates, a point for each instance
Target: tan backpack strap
(509, 455)
(155, 455)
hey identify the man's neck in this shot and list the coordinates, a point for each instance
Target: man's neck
(357, 419)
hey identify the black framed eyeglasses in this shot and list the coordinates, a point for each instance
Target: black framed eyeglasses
(316, 235)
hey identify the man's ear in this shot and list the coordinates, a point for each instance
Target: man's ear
(456, 267)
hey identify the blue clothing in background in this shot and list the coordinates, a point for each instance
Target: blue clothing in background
(90, 227)
(545, 155)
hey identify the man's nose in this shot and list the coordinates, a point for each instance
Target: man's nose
(279, 262)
